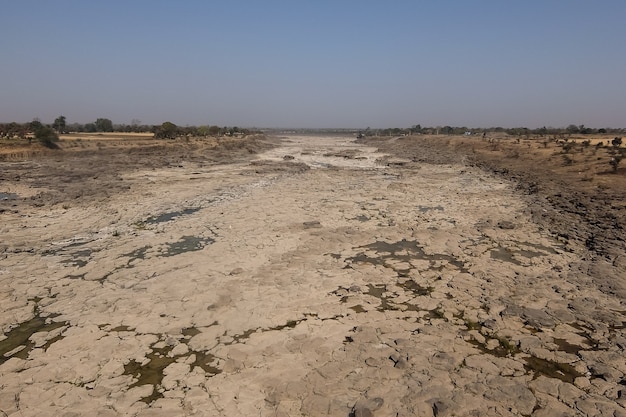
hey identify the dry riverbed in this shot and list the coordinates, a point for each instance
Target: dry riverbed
(316, 277)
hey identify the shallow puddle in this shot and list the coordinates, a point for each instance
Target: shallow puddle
(379, 291)
(139, 253)
(166, 217)
(290, 324)
(187, 244)
(190, 331)
(243, 336)
(501, 351)
(426, 209)
(543, 248)
(403, 251)
(204, 361)
(152, 372)
(563, 371)
(361, 218)
(20, 335)
(504, 255)
(358, 308)
(121, 329)
(8, 196)
(565, 346)
(415, 288)
(509, 255)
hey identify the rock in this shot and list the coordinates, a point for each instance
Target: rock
(512, 394)
(533, 317)
(365, 407)
(402, 363)
(480, 362)
(439, 408)
(399, 361)
(362, 412)
(373, 362)
(605, 372)
(315, 224)
(506, 225)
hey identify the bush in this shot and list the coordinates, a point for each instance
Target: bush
(614, 161)
(616, 142)
(47, 137)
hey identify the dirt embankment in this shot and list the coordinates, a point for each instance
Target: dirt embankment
(83, 169)
(573, 190)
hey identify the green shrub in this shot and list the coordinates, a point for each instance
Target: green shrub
(47, 137)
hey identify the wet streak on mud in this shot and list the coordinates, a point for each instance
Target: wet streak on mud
(240, 338)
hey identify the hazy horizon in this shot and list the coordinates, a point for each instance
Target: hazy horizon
(317, 64)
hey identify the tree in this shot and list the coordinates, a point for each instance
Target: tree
(202, 131)
(167, 130)
(14, 129)
(572, 129)
(447, 130)
(59, 124)
(47, 136)
(104, 125)
(416, 129)
(35, 125)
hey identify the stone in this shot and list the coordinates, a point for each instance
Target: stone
(537, 318)
(366, 407)
(506, 225)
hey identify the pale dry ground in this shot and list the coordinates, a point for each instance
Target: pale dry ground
(361, 286)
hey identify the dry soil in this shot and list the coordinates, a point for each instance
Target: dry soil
(310, 276)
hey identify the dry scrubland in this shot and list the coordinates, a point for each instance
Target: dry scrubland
(312, 276)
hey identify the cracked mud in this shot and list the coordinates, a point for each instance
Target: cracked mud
(317, 279)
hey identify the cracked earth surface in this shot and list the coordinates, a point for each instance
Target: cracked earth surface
(322, 278)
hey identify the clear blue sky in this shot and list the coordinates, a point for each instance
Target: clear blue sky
(322, 63)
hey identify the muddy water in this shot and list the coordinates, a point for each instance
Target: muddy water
(421, 289)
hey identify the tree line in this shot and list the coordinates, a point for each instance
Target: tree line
(166, 130)
(169, 130)
(515, 131)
